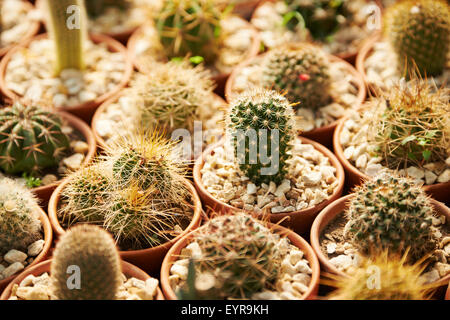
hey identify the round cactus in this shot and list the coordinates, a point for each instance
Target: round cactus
(32, 139)
(189, 27)
(88, 254)
(419, 32)
(300, 71)
(390, 213)
(260, 124)
(19, 219)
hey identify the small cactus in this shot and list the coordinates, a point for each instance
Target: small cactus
(268, 115)
(382, 277)
(419, 32)
(301, 71)
(67, 25)
(19, 219)
(390, 213)
(32, 139)
(93, 251)
(96, 8)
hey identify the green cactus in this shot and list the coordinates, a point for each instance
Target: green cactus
(67, 25)
(171, 94)
(19, 219)
(96, 8)
(240, 255)
(390, 213)
(301, 71)
(260, 124)
(94, 252)
(419, 32)
(189, 27)
(32, 139)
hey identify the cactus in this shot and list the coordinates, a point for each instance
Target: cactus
(19, 219)
(397, 281)
(240, 255)
(269, 116)
(96, 8)
(418, 31)
(170, 95)
(301, 71)
(391, 213)
(412, 126)
(94, 252)
(67, 25)
(189, 27)
(32, 139)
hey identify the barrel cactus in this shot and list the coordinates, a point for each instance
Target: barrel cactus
(91, 251)
(301, 71)
(419, 32)
(19, 219)
(391, 213)
(260, 125)
(32, 139)
(96, 8)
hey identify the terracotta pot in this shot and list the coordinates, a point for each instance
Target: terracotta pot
(295, 239)
(363, 54)
(245, 8)
(127, 268)
(337, 207)
(301, 220)
(447, 295)
(44, 192)
(85, 110)
(323, 135)
(32, 31)
(353, 177)
(48, 236)
(101, 142)
(148, 259)
(220, 79)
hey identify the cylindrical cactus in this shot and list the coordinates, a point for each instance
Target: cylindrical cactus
(260, 126)
(300, 71)
(419, 32)
(189, 27)
(86, 265)
(67, 25)
(32, 139)
(19, 218)
(390, 213)
(96, 8)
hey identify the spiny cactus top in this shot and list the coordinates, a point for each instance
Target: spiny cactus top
(171, 94)
(88, 256)
(391, 213)
(31, 139)
(419, 32)
(412, 126)
(382, 277)
(301, 71)
(260, 126)
(19, 217)
(189, 27)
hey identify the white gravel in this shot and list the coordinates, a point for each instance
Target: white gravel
(14, 260)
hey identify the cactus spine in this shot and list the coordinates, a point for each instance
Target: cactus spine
(301, 72)
(67, 26)
(260, 123)
(94, 252)
(418, 31)
(19, 218)
(32, 139)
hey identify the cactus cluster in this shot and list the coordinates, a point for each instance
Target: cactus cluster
(31, 139)
(412, 126)
(260, 127)
(382, 277)
(301, 71)
(391, 213)
(189, 27)
(90, 252)
(419, 32)
(96, 8)
(239, 257)
(170, 95)
(19, 220)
